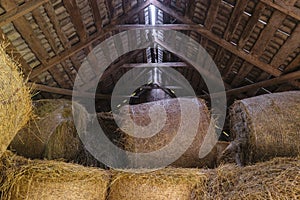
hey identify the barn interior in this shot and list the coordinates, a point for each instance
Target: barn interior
(247, 51)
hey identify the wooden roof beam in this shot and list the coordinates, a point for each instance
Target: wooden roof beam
(260, 7)
(235, 19)
(291, 44)
(294, 64)
(267, 33)
(206, 33)
(287, 9)
(76, 19)
(212, 13)
(242, 73)
(274, 81)
(151, 65)
(20, 11)
(96, 14)
(78, 47)
(68, 92)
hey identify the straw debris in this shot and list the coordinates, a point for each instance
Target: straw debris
(15, 99)
(51, 180)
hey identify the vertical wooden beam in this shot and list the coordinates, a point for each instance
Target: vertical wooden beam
(260, 7)
(235, 18)
(76, 19)
(110, 9)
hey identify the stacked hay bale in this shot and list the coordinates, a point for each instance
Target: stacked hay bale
(276, 179)
(140, 116)
(166, 184)
(15, 99)
(52, 134)
(48, 180)
(264, 127)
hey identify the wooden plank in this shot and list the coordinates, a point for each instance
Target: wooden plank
(53, 18)
(96, 14)
(45, 29)
(212, 13)
(68, 92)
(19, 11)
(275, 81)
(76, 19)
(235, 18)
(287, 10)
(151, 65)
(260, 7)
(293, 65)
(291, 44)
(78, 47)
(267, 33)
(221, 42)
(190, 9)
(24, 28)
(243, 72)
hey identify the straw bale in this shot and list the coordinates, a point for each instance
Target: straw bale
(275, 180)
(140, 115)
(52, 134)
(165, 184)
(15, 99)
(52, 180)
(265, 126)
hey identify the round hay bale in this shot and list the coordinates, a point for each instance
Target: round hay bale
(165, 184)
(265, 126)
(52, 134)
(140, 116)
(15, 99)
(276, 179)
(49, 180)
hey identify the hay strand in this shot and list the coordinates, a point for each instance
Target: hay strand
(50, 180)
(15, 99)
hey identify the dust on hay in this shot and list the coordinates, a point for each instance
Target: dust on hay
(140, 116)
(275, 180)
(15, 99)
(265, 126)
(50, 180)
(52, 133)
(165, 184)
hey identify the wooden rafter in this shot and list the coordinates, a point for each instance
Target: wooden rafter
(78, 47)
(284, 8)
(96, 14)
(291, 44)
(212, 13)
(268, 32)
(151, 65)
(251, 24)
(76, 19)
(235, 18)
(206, 33)
(294, 64)
(20, 11)
(278, 80)
(56, 25)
